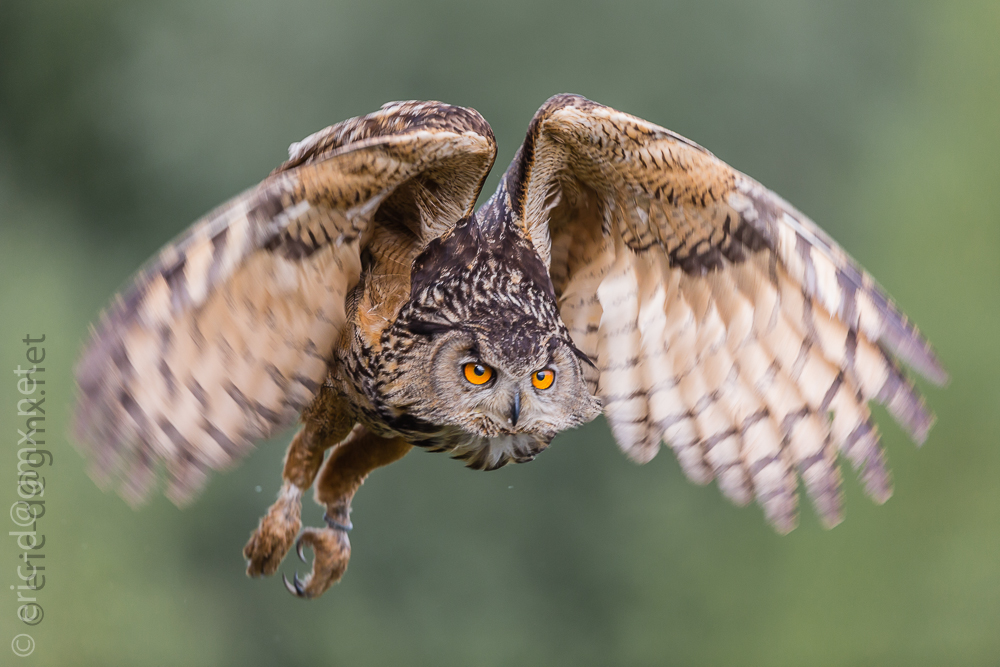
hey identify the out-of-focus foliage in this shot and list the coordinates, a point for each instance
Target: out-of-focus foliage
(121, 122)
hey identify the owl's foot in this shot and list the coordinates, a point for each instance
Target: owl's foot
(343, 472)
(274, 535)
(331, 552)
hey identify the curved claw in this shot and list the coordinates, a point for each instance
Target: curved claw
(298, 549)
(296, 588)
(331, 553)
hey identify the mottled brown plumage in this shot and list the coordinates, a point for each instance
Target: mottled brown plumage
(618, 266)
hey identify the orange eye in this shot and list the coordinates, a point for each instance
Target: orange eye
(478, 373)
(543, 379)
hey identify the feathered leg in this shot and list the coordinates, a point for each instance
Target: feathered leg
(325, 426)
(344, 471)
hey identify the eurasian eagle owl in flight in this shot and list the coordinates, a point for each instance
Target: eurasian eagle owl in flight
(619, 268)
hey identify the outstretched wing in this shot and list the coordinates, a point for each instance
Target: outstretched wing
(226, 335)
(719, 318)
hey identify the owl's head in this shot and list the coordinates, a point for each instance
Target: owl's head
(501, 378)
(482, 351)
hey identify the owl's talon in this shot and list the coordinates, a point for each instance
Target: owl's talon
(293, 588)
(331, 552)
(298, 550)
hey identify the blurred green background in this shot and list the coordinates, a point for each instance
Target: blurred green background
(123, 121)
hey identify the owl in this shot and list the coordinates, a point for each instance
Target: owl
(619, 269)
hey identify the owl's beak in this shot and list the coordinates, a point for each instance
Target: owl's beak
(515, 409)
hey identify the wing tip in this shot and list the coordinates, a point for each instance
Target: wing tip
(933, 370)
(783, 526)
(927, 423)
(641, 455)
(830, 510)
(906, 405)
(781, 507)
(916, 352)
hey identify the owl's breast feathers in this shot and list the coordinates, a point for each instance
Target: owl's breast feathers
(484, 277)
